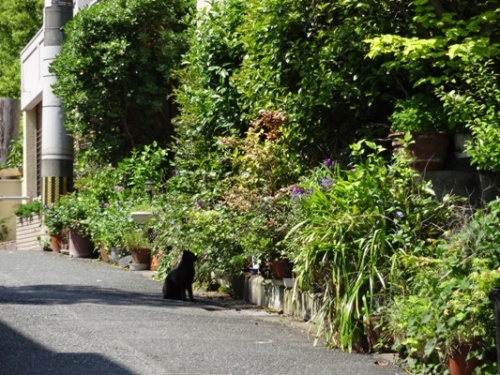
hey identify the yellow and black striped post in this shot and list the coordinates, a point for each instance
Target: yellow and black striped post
(53, 188)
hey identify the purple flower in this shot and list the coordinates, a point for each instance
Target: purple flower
(119, 188)
(326, 183)
(400, 213)
(296, 190)
(105, 205)
(329, 162)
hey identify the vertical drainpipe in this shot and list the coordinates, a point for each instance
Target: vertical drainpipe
(57, 145)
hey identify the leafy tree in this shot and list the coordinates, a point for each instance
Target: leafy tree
(306, 59)
(115, 74)
(19, 22)
(446, 38)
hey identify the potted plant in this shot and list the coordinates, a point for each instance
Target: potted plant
(74, 210)
(107, 226)
(54, 225)
(138, 242)
(421, 117)
(28, 223)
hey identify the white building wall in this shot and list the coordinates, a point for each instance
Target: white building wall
(31, 72)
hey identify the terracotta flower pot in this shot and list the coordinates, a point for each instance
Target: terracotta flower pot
(279, 268)
(80, 246)
(428, 149)
(155, 263)
(103, 252)
(458, 364)
(141, 255)
(56, 243)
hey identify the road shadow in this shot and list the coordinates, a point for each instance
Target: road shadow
(20, 355)
(56, 294)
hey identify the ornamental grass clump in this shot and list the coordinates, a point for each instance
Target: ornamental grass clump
(351, 235)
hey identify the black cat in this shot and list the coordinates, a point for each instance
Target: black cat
(181, 278)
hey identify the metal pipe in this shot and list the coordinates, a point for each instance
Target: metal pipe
(13, 198)
(57, 145)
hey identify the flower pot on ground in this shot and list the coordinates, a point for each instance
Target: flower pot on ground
(139, 245)
(111, 254)
(71, 213)
(156, 260)
(54, 223)
(80, 244)
(459, 363)
(56, 242)
(141, 255)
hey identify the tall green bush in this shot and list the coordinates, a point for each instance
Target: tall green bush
(115, 74)
(477, 108)
(304, 59)
(242, 215)
(307, 59)
(104, 198)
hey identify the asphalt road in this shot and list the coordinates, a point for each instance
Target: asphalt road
(60, 315)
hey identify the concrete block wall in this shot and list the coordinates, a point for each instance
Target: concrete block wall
(273, 295)
(28, 231)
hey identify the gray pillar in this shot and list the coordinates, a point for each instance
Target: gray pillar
(57, 145)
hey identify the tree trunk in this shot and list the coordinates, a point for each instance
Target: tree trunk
(10, 110)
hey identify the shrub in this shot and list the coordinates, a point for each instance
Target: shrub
(446, 300)
(115, 74)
